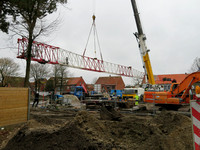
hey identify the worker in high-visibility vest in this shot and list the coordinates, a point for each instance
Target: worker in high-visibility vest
(136, 100)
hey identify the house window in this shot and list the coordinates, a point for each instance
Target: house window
(113, 87)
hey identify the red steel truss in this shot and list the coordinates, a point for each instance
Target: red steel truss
(44, 53)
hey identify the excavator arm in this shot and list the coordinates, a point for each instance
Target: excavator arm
(184, 87)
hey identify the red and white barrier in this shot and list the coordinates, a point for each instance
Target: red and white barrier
(195, 112)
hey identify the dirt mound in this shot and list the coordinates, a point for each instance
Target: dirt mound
(109, 113)
(170, 121)
(177, 128)
(81, 133)
(72, 100)
(166, 131)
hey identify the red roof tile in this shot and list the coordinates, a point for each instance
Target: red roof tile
(160, 79)
(116, 80)
(73, 81)
(108, 80)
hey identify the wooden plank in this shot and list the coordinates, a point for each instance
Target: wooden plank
(13, 99)
(12, 116)
(12, 89)
(12, 113)
(13, 104)
(17, 93)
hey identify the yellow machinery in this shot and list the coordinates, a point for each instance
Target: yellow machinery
(141, 38)
(128, 93)
(179, 92)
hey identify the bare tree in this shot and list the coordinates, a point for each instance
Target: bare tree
(39, 72)
(196, 65)
(7, 68)
(56, 76)
(29, 22)
(59, 72)
(49, 85)
(63, 74)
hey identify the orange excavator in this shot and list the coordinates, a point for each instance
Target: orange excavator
(180, 93)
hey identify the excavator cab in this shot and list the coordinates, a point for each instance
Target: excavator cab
(173, 86)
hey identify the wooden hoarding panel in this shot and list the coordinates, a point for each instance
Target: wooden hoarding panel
(14, 104)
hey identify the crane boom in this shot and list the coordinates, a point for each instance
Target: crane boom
(44, 53)
(142, 45)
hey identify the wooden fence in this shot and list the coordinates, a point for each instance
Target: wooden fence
(14, 105)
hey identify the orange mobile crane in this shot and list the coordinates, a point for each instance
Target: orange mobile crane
(180, 93)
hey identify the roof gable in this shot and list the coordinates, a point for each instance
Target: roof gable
(109, 80)
(73, 81)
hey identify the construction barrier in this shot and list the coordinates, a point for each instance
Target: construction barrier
(14, 105)
(195, 114)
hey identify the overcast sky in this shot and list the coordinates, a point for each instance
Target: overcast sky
(171, 28)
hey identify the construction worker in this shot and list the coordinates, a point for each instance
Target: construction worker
(36, 100)
(136, 100)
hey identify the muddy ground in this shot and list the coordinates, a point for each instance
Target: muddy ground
(70, 129)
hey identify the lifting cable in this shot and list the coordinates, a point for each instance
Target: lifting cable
(95, 34)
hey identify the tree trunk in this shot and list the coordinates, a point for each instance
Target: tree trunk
(61, 85)
(36, 83)
(55, 83)
(2, 83)
(39, 85)
(28, 61)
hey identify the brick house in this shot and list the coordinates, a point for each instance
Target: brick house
(72, 82)
(166, 80)
(111, 82)
(68, 84)
(90, 87)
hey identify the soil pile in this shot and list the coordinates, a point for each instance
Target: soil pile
(109, 113)
(72, 100)
(166, 131)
